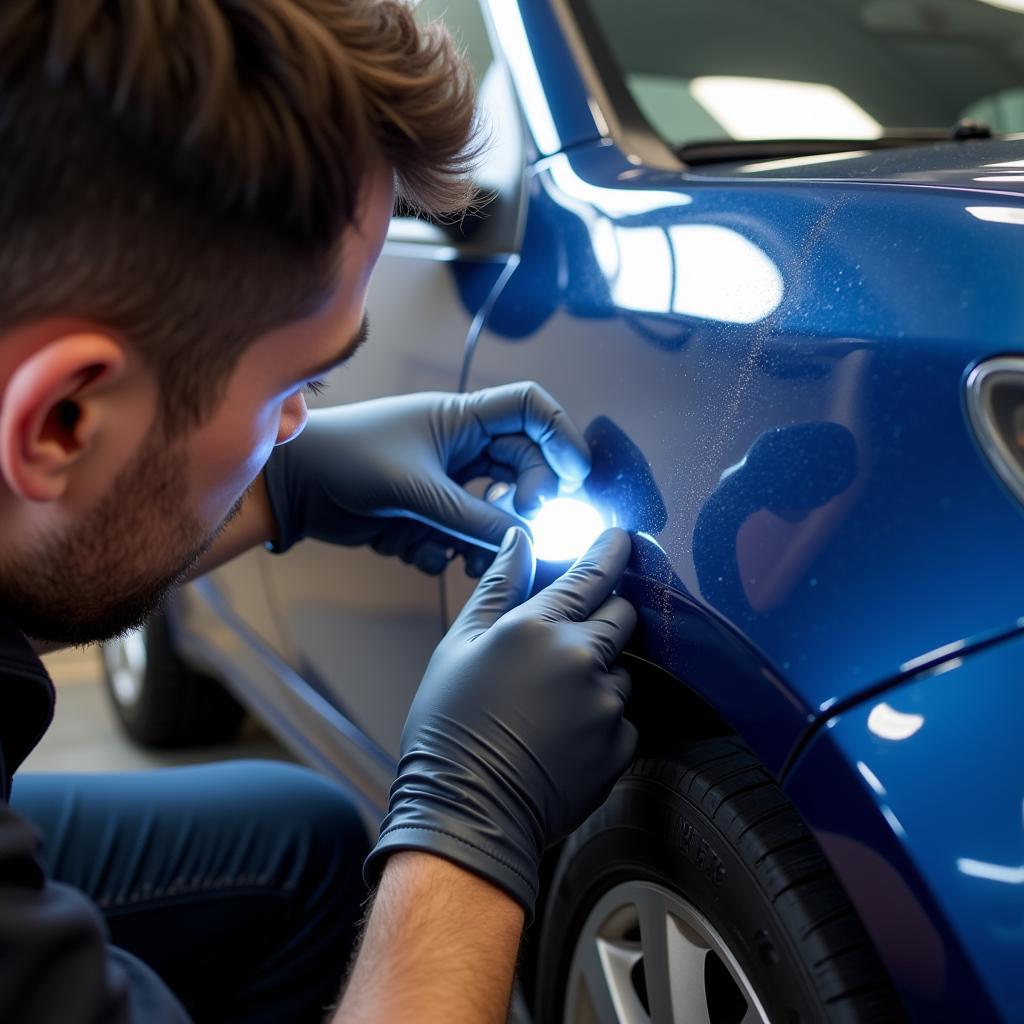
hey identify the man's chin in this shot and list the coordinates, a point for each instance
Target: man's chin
(106, 619)
(49, 632)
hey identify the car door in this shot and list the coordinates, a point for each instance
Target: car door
(360, 627)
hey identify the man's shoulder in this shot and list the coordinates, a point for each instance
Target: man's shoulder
(26, 701)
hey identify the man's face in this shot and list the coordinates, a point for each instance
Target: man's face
(107, 573)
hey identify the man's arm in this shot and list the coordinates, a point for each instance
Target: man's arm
(440, 946)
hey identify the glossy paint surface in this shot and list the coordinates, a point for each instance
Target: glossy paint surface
(776, 374)
(916, 798)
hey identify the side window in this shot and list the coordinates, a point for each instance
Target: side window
(499, 174)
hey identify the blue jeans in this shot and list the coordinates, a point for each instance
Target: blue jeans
(238, 883)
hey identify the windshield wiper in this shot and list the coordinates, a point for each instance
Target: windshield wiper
(720, 151)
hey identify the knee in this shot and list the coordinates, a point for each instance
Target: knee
(321, 818)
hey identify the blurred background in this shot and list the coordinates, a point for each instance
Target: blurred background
(85, 736)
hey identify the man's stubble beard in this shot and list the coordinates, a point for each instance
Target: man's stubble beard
(107, 575)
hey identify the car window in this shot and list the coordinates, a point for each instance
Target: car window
(817, 69)
(464, 19)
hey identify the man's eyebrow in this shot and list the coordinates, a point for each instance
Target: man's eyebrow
(347, 352)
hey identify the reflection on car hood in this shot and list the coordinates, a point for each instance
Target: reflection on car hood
(986, 165)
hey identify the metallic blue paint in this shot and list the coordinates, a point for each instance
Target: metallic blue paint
(770, 364)
(915, 796)
(815, 459)
(546, 76)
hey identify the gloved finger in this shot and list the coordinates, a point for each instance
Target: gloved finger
(506, 585)
(534, 478)
(396, 538)
(526, 408)
(451, 508)
(588, 583)
(624, 748)
(609, 628)
(430, 557)
(477, 561)
(477, 469)
(618, 680)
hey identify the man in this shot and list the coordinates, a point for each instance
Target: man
(193, 194)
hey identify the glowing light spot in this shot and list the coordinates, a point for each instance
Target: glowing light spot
(890, 724)
(564, 528)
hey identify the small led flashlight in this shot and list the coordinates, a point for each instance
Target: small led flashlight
(564, 528)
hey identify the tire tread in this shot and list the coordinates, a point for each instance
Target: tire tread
(745, 803)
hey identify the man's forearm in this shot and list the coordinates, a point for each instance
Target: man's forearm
(440, 946)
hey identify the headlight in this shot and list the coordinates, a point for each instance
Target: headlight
(995, 404)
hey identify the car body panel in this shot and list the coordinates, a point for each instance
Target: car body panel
(795, 433)
(916, 798)
(984, 166)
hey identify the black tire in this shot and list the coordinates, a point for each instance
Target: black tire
(158, 699)
(709, 825)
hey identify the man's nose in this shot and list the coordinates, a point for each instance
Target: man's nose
(293, 418)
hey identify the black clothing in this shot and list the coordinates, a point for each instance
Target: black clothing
(55, 964)
(228, 891)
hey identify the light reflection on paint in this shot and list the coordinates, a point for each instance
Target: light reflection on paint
(612, 202)
(701, 270)
(802, 161)
(871, 778)
(890, 724)
(720, 275)
(925, 659)
(1008, 873)
(706, 271)
(997, 214)
(509, 27)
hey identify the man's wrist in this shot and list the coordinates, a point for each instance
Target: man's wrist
(440, 945)
(422, 872)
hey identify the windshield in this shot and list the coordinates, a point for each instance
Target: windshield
(702, 70)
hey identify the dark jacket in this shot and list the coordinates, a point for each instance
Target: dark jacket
(56, 964)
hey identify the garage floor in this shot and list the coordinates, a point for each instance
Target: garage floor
(84, 736)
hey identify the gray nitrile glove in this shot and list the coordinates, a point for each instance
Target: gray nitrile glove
(390, 472)
(516, 733)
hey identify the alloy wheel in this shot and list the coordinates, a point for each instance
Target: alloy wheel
(125, 660)
(647, 956)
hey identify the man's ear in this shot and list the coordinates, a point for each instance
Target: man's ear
(53, 409)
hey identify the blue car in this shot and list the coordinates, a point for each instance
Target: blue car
(770, 256)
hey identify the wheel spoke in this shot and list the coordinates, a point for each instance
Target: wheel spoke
(661, 979)
(753, 1015)
(673, 965)
(603, 969)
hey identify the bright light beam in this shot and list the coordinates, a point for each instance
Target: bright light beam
(564, 528)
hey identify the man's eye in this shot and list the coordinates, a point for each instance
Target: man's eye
(316, 387)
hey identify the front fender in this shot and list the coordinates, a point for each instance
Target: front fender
(916, 798)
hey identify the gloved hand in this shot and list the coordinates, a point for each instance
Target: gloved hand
(355, 469)
(516, 732)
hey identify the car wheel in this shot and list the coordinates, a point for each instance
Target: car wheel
(696, 894)
(158, 699)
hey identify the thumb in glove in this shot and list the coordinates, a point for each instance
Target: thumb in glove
(517, 730)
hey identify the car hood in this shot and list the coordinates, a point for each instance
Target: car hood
(981, 165)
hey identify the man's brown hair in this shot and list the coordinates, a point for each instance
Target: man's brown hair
(182, 170)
